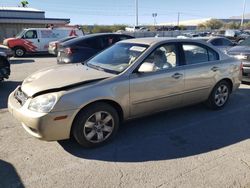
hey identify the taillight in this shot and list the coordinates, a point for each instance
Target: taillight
(68, 51)
(241, 66)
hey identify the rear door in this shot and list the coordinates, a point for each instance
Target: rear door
(202, 69)
(160, 89)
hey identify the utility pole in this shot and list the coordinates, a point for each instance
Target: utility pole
(178, 19)
(243, 14)
(154, 15)
(136, 12)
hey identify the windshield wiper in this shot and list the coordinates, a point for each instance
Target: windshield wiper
(101, 68)
(95, 67)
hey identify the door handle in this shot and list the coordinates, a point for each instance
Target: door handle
(38, 40)
(215, 69)
(177, 75)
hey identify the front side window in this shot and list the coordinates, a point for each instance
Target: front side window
(117, 58)
(195, 54)
(31, 34)
(164, 57)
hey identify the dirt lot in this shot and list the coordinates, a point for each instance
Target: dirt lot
(190, 147)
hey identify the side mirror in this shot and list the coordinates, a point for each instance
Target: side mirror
(146, 67)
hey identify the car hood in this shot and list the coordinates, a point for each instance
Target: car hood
(60, 77)
(239, 50)
(2, 47)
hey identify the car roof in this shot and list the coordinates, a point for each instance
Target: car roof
(85, 37)
(154, 40)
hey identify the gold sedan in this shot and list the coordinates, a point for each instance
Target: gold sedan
(131, 79)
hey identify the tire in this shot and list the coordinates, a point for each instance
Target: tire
(89, 128)
(219, 95)
(19, 51)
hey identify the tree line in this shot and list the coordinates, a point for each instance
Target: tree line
(218, 24)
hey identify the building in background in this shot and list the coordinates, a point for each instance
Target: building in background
(14, 19)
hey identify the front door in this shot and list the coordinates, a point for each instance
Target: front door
(31, 41)
(161, 88)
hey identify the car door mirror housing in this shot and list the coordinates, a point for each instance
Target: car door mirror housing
(146, 67)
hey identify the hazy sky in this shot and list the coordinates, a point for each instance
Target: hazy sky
(123, 11)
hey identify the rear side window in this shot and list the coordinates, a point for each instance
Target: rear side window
(227, 42)
(89, 43)
(212, 55)
(107, 41)
(123, 37)
(195, 54)
(217, 42)
(48, 34)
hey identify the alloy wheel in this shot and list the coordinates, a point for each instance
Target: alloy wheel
(221, 95)
(98, 127)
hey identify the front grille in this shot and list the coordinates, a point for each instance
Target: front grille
(20, 96)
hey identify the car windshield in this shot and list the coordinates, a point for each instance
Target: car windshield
(117, 58)
(246, 42)
(20, 34)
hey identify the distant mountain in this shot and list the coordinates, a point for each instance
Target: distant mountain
(247, 16)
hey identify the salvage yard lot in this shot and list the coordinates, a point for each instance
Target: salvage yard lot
(189, 147)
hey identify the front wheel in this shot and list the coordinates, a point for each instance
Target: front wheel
(19, 52)
(95, 125)
(219, 96)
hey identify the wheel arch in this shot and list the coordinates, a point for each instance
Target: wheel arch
(229, 81)
(19, 46)
(112, 103)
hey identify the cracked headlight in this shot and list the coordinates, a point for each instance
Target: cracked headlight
(43, 103)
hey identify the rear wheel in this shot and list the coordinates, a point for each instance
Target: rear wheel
(95, 125)
(19, 51)
(219, 96)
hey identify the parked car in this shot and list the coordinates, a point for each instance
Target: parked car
(7, 51)
(222, 43)
(36, 40)
(53, 46)
(4, 66)
(242, 52)
(194, 35)
(133, 78)
(136, 29)
(236, 35)
(82, 48)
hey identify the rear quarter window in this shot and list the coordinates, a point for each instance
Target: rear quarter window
(195, 54)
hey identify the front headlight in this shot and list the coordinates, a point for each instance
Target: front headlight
(43, 103)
